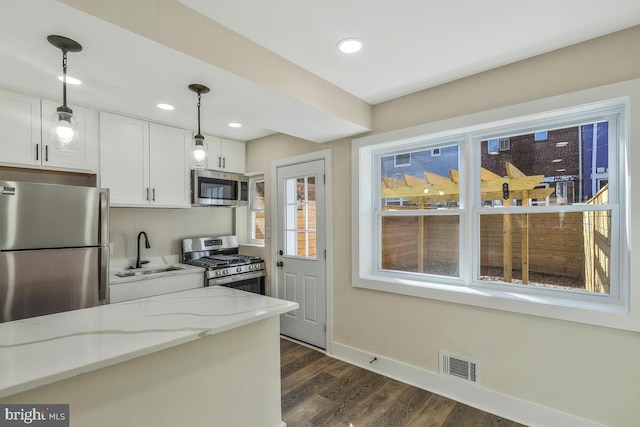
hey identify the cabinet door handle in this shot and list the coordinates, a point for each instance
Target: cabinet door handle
(154, 195)
(219, 161)
(46, 153)
(147, 193)
(224, 162)
(37, 151)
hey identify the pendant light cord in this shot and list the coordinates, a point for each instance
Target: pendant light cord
(199, 113)
(64, 77)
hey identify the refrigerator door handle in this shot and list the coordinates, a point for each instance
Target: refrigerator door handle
(103, 237)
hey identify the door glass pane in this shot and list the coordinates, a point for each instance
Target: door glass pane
(300, 216)
(546, 168)
(311, 196)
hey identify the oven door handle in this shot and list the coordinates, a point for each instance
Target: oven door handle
(235, 278)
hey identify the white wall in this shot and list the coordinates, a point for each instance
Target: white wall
(165, 228)
(588, 371)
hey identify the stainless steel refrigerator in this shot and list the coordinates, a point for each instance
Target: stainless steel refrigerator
(54, 251)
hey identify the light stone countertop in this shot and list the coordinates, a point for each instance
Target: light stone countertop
(42, 350)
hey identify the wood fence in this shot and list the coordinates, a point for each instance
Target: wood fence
(555, 245)
(597, 245)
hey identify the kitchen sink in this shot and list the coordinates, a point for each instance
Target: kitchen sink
(147, 271)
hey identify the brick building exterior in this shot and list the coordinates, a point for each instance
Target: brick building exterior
(573, 161)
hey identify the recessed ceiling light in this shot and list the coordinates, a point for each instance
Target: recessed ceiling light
(166, 107)
(70, 80)
(235, 125)
(349, 45)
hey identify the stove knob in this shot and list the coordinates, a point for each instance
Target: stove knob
(225, 271)
(239, 270)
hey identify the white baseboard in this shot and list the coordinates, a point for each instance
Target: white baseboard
(512, 408)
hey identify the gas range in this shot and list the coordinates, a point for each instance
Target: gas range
(222, 263)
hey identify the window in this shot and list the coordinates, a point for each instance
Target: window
(561, 248)
(420, 235)
(538, 229)
(256, 211)
(541, 136)
(403, 159)
(493, 147)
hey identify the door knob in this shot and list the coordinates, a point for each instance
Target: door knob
(279, 263)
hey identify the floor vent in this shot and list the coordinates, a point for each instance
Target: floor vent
(459, 367)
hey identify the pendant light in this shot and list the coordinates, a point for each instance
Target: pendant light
(64, 130)
(200, 160)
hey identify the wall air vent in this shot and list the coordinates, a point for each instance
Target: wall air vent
(459, 367)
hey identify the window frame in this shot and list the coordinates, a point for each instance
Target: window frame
(253, 210)
(606, 310)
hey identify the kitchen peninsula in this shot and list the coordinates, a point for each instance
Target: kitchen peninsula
(207, 356)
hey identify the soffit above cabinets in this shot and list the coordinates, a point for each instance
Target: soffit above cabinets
(132, 61)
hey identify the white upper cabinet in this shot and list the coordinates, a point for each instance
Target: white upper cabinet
(19, 129)
(144, 164)
(85, 158)
(124, 159)
(25, 139)
(169, 166)
(225, 154)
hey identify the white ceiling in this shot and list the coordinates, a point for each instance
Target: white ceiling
(409, 45)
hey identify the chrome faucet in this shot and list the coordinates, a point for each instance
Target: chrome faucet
(146, 245)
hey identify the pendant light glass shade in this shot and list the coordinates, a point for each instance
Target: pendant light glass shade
(64, 132)
(200, 152)
(64, 125)
(200, 157)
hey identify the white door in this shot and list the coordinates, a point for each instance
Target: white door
(301, 250)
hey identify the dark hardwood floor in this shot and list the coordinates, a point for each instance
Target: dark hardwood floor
(318, 390)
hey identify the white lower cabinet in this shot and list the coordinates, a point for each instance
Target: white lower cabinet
(144, 164)
(150, 287)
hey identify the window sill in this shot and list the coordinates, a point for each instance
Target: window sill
(563, 305)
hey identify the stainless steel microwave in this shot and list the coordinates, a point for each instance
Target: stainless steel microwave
(213, 188)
